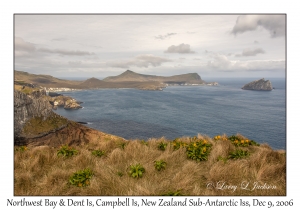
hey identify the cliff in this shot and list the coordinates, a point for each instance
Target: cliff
(36, 124)
(27, 107)
(260, 84)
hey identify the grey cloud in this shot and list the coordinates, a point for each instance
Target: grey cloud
(23, 48)
(255, 42)
(139, 61)
(182, 49)
(75, 63)
(162, 37)
(251, 52)
(275, 24)
(221, 62)
(65, 52)
(59, 39)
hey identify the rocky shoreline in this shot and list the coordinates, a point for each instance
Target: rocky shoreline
(64, 101)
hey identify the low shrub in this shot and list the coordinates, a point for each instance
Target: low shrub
(198, 150)
(178, 144)
(66, 151)
(160, 165)
(173, 193)
(81, 178)
(98, 153)
(240, 142)
(22, 148)
(136, 171)
(237, 154)
(162, 146)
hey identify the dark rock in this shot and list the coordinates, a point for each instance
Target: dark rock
(260, 84)
(53, 94)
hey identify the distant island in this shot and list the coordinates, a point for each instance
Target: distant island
(127, 79)
(260, 84)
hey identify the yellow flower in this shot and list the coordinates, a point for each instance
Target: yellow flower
(236, 141)
(242, 141)
(204, 149)
(204, 142)
(195, 144)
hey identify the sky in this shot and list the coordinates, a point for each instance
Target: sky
(107, 45)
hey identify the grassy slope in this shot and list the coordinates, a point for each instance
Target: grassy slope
(39, 171)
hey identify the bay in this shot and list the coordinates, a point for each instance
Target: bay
(186, 111)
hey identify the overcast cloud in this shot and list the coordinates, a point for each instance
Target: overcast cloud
(251, 52)
(143, 61)
(162, 37)
(107, 45)
(182, 49)
(275, 24)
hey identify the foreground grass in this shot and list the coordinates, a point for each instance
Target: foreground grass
(130, 168)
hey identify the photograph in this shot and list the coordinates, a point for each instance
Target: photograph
(150, 105)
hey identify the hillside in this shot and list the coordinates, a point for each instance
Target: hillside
(44, 80)
(191, 78)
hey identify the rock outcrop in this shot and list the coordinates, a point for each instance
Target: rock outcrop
(35, 124)
(27, 107)
(260, 84)
(66, 101)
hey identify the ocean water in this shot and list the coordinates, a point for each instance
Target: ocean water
(186, 111)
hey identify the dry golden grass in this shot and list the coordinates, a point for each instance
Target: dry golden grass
(39, 171)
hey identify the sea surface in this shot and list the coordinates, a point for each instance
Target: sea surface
(186, 111)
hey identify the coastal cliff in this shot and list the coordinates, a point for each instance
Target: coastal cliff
(260, 84)
(36, 124)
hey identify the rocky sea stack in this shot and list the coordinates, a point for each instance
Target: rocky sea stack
(260, 84)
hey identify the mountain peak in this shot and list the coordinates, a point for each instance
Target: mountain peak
(128, 72)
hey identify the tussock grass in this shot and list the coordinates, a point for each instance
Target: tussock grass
(40, 171)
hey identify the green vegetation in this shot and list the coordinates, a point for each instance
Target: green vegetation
(39, 125)
(160, 165)
(136, 171)
(120, 174)
(198, 149)
(81, 178)
(178, 144)
(66, 151)
(242, 142)
(162, 146)
(98, 153)
(173, 193)
(238, 154)
(122, 144)
(140, 170)
(21, 148)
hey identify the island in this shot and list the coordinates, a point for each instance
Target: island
(260, 84)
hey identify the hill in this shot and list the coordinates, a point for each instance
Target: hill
(44, 80)
(190, 78)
